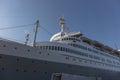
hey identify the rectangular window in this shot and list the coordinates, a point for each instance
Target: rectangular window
(49, 47)
(55, 48)
(46, 47)
(66, 49)
(61, 48)
(52, 47)
(40, 47)
(43, 47)
(58, 48)
(89, 49)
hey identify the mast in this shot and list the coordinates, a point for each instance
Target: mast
(27, 38)
(62, 23)
(35, 33)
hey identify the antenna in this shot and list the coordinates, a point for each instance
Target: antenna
(35, 33)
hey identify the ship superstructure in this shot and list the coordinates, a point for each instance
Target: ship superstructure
(76, 45)
(65, 53)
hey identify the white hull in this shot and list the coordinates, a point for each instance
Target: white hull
(20, 62)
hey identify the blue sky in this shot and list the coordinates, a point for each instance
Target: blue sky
(96, 19)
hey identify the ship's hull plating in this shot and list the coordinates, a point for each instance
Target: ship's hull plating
(28, 69)
(18, 63)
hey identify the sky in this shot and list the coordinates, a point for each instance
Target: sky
(96, 19)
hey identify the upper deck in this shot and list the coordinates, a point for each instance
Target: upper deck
(79, 38)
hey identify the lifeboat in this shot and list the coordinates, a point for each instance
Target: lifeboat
(85, 39)
(116, 52)
(108, 48)
(97, 44)
(76, 34)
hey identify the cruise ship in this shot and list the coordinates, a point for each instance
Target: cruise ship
(66, 53)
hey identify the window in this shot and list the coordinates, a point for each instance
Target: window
(83, 54)
(61, 48)
(40, 47)
(49, 47)
(89, 49)
(74, 59)
(109, 61)
(43, 47)
(74, 41)
(57, 77)
(66, 49)
(95, 51)
(96, 57)
(55, 48)
(103, 59)
(52, 47)
(58, 48)
(46, 47)
(91, 56)
(67, 57)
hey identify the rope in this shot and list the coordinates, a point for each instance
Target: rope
(5, 28)
(46, 30)
(21, 26)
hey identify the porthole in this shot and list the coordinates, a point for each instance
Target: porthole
(34, 71)
(28, 50)
(45, 72)
(17, 70)
(17, 59)
(25, 71)
(33, 61)
(3, 68)
(4, 45)
(39, 52)
(45, 62)
(15, 48)
(0, 56)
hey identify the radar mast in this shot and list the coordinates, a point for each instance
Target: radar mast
(62, 23)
